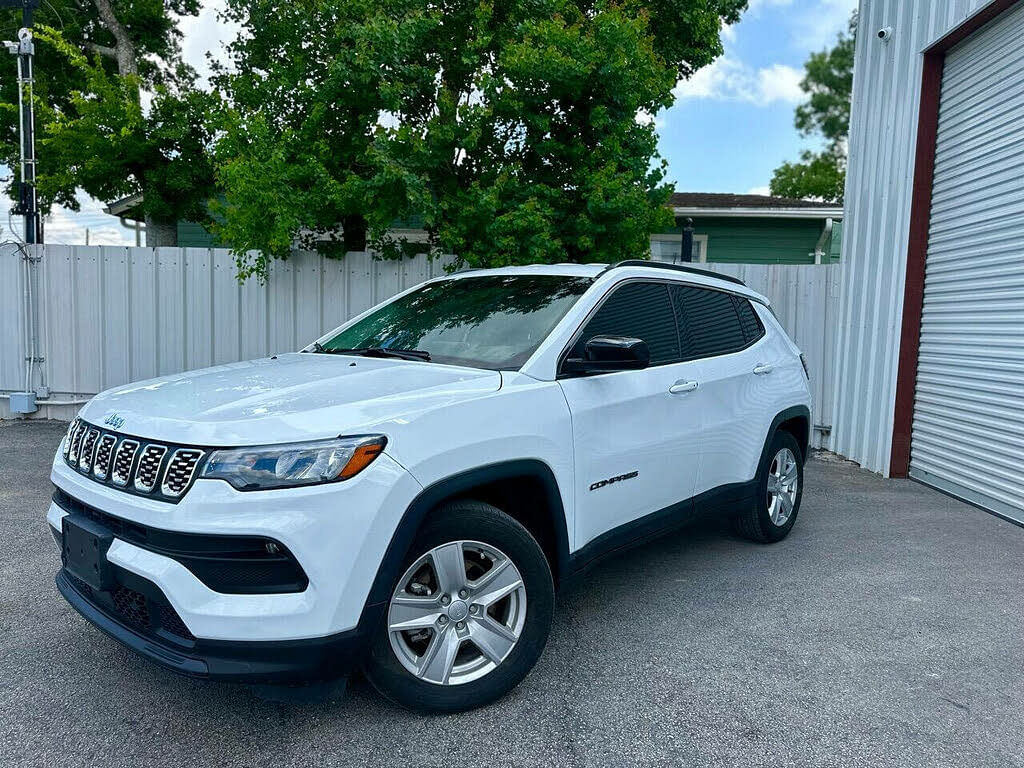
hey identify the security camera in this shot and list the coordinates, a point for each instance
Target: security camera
(884, 33)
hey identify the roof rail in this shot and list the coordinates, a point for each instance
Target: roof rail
(676, 267)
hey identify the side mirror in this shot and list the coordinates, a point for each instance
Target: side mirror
(604, 354)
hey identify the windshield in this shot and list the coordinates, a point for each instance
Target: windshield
(491, 321)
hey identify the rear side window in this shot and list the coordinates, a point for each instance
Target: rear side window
(638, 310)
(713, 323)
(751, 323)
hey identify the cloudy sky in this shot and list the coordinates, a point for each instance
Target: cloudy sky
(731, 125)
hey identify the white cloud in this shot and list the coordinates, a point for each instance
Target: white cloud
(817, 28)
(69, 227)
(203, 34)
(755, 6)
(643, 117)
(728, 79)
(765, 190)
(780, 83)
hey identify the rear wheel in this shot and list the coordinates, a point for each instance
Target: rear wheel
(780, 485)
(468, 617)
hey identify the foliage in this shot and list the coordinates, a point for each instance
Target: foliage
(103, 141)
(508, 130)
(829, 85)
(92, 132)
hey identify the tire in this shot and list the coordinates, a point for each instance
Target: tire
(762, 522)
(484, 538)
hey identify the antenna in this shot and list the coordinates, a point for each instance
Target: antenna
(24, 49)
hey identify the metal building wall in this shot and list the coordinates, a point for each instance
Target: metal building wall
(883, 132)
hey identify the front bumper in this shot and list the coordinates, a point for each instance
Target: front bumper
(337, 533)
(313, 659)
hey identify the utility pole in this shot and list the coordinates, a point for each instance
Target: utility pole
(24, 49)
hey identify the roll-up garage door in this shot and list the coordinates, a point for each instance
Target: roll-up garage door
(968, 435)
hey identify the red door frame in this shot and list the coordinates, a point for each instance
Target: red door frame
(920, 215)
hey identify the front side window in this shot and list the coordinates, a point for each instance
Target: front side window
(637, 310)
(491, 321)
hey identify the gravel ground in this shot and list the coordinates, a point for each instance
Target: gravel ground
(886, 630)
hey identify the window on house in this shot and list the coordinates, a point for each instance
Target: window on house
(667, 248)
(639, 310)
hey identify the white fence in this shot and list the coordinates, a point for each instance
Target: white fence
(109, 315)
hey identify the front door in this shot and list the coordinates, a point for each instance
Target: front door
(635, 433)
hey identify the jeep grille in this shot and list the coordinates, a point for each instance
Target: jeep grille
(138, 466)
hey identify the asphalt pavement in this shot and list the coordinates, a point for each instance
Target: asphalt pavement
(888, 629)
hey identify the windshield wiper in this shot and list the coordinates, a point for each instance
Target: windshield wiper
(402, 354)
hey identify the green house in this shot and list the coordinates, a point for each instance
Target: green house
(743, 229)
(752, 229)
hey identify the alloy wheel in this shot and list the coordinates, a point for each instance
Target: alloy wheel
(783, 485)
(457, 613)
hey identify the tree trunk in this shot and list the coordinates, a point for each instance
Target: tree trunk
(124, 48)
(160, 232)
(353, 232)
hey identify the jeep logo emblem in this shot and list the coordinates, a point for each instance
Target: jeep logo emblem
(113, 420)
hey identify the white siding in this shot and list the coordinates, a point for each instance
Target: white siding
(886, 98)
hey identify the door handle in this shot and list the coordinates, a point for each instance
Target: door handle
(682, 386)
(762, 369)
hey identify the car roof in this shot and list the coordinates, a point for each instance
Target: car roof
(626, 269)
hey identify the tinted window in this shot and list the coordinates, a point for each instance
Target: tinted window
(709, 322)
(638, 310)
(494, 321)
(752, 327)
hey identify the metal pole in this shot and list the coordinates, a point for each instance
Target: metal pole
(28, 138)
(686, 242)
(24, 49)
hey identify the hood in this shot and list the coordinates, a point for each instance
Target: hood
(298, 396)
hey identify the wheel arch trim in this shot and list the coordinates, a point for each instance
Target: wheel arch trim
(451, 487)
(787, 414)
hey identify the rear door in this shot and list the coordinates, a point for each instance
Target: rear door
(635, 433)
(723, 332)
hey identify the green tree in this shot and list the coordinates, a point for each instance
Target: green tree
(508, 130)
(95, 131)
(829, 85)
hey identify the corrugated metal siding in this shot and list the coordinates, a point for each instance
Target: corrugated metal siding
(886, 96)
(968, 435)
(113, 315)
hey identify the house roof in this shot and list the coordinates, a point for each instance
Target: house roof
(724, 204)
(126, 207)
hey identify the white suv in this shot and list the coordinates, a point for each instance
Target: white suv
(406, 494)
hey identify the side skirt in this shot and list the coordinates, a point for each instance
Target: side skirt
(722, 500)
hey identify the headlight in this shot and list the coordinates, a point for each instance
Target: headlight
(294, 464)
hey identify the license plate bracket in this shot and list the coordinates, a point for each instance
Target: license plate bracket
(84, 551)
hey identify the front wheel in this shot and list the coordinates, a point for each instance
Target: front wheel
(780, 486)
(468, 617)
